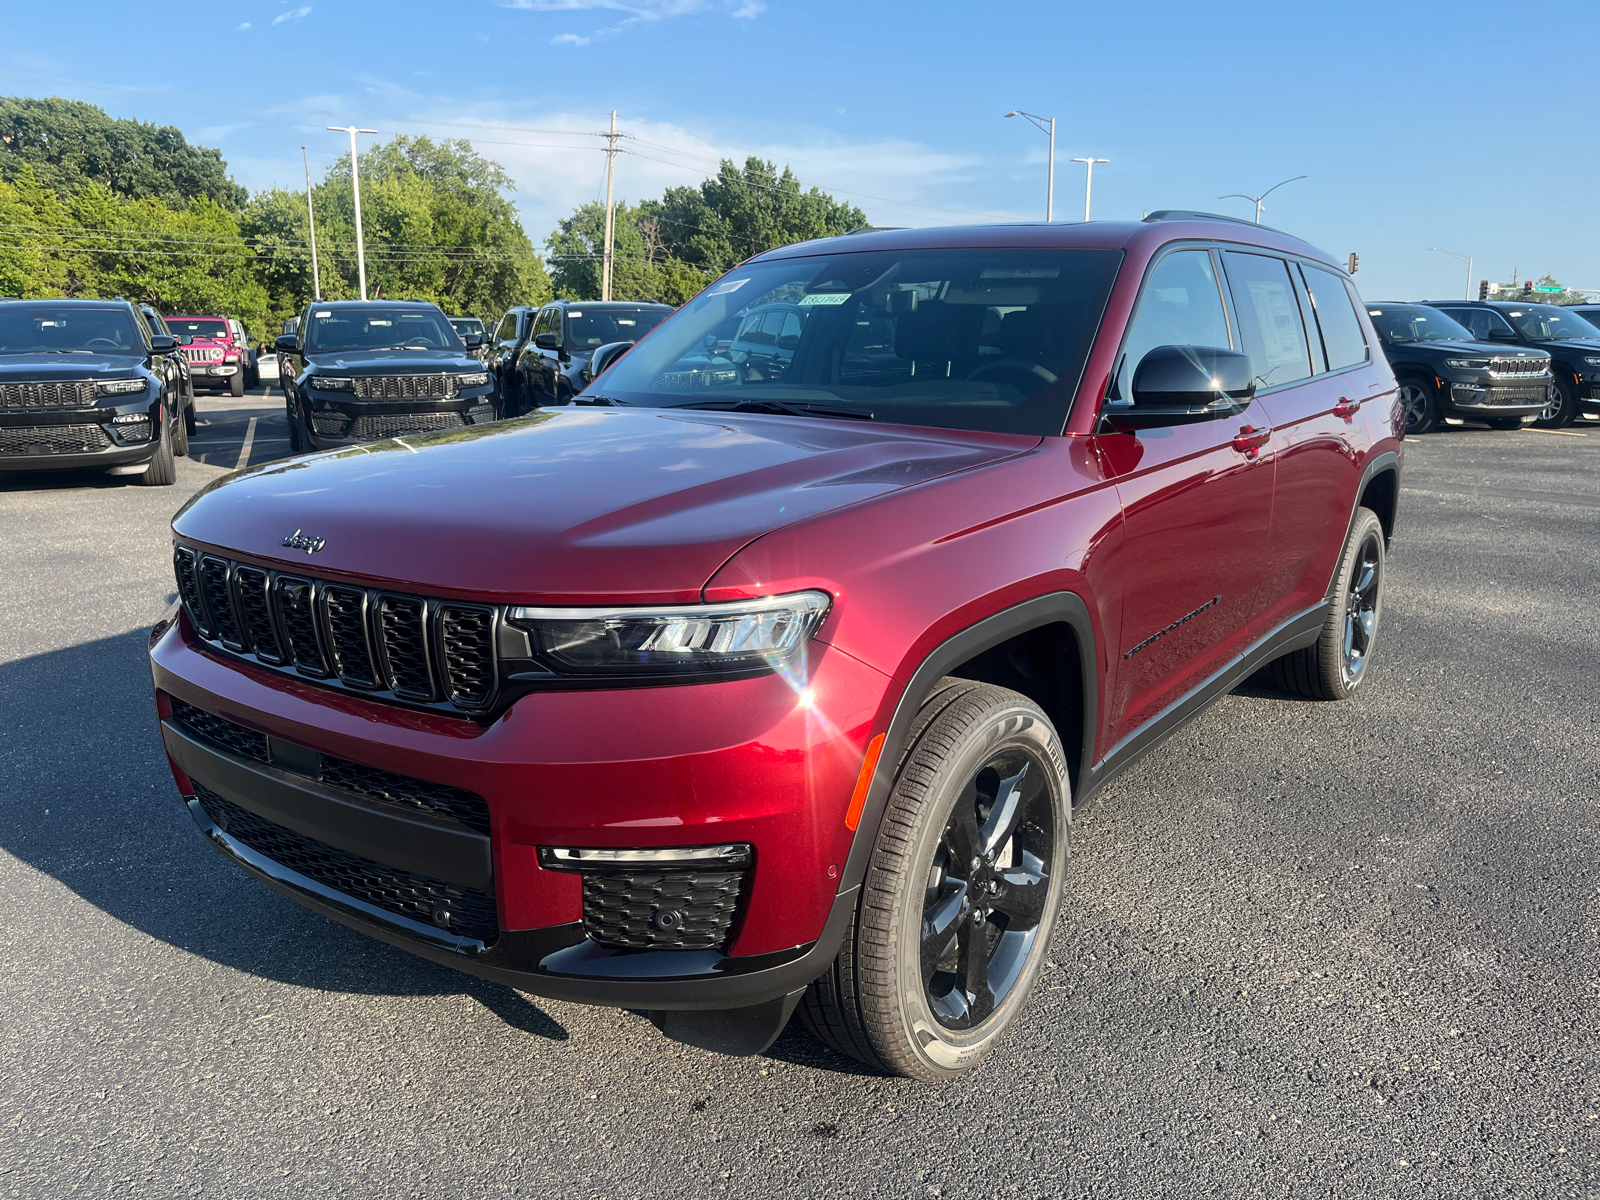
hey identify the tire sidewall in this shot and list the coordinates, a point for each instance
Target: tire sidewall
(939, 1051)
(1367, 525)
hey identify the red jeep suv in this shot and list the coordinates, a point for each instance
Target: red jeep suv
(723, 692)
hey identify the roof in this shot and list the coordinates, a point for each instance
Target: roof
(113, 303)
(373, 303)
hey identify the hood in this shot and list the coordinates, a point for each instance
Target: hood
(393, 362)
(1572, 346)
(1476, 349)
(43, 368)
(576, 505)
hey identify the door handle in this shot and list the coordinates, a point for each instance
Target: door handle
(1251, 439)
(1346, 408)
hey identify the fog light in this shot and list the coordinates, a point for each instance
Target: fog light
(729, 854)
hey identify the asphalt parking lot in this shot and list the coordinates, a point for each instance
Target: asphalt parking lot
(1309, 950)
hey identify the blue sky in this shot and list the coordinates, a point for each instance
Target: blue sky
(1403, 115)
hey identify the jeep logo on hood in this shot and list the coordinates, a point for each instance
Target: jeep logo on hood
(301, 541)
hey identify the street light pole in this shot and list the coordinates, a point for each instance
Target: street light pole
(311, 220)
(1088, 181)
(611, 219)
(1466, 258)
(355, 187)
(1256, 200)
(1045, 125)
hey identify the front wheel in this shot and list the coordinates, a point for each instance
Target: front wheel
(1421, 404)
(960, 898)
(236, 383)
(191, 421)
(1562, 408)
(297, 443)
(163, 468)
(1339, 661)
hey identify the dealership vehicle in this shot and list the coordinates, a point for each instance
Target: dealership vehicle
(217, 358)
(712, 697)
(88, 384)
(248, 353)
(1589, 312)
(363, 370)
(472, 327)
(176, 370)
(563, 337)
(511, 338)
(1445, 373)
(1571, 341)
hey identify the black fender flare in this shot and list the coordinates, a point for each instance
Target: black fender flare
(1389, 460)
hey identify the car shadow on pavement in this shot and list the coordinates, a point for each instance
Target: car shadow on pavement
(91, 803)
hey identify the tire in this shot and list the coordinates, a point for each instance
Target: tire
(252, 373)
(984, 775)
(1563, 406)
(1341, 659)
(180, 438)
(236, 383)
(1420, 401)
(1503, 422)
(191, 421)
(163, 468)
(297, 444)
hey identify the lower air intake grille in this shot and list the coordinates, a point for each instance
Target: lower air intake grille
(330, 424)
(464, 911)
(661, 910)
(458, 804)
(53, 439)
(386, 425)
(235, 739)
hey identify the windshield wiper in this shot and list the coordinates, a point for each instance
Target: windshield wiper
(782, 407)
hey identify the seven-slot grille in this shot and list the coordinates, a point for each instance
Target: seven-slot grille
(1519, 366)
(203, 354)
(411, 648)
(403, 387)
(70, 394)
(54, 439)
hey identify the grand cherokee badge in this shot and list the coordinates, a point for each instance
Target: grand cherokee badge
(299, 541)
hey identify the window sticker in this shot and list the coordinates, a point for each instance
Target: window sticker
(1021, 273)
(817, 298)
(574, 315)
(1280, 323)
(327, 312)
(727, 285)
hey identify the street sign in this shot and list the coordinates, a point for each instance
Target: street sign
(1549, 289)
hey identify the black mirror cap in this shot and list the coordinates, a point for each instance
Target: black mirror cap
(287, 342)
(163, 343)
(547, 341)
(606, 355)
(473, 341)
(1193, 382)
(1502, 335)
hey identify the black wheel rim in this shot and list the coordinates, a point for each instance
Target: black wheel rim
(987, 889)
(1361, 608)
(1415, 402)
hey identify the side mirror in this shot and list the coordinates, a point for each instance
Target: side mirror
(288, 343)
(185, 340)
(163, 343)
(547, 341)
(1191, 383)
(709, 342)
(605, 356)
(1502, 335)
(474, 341)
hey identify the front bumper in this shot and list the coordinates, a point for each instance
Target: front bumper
(68, 440)
(333, 423)
(743, 761)
(1498, 399)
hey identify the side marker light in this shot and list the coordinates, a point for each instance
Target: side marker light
(858, 799)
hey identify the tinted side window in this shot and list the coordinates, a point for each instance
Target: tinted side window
(507, 328)
(1181, 306)
(1269, 317)
(1341, 328)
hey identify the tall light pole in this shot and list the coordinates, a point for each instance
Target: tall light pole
(355, 185)
(1256, 200)
(1046, 125)
(1088, 181)
(1466, 258)
(311, 220)
(611, 217)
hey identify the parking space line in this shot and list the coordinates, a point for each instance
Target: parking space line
(1562, 432)
(249, 440)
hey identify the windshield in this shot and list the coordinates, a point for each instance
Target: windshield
(1547, 323)
(990, 340)
(198, 327)
(43, 329)
(1417, 323)
(588, 328)
(376, 328)
(466, 325)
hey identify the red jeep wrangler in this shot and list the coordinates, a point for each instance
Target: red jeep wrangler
(723, 692)
(218, 357)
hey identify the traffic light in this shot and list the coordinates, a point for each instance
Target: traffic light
(1355, 261)
(1483, 289)
(1527, 287)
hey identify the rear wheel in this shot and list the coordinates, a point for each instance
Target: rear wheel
(960, 899)
(1337, 664)
(1421, 404)
(1562, 408)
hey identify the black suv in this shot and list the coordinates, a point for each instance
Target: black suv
(1444, 372)
(363, 370)
(176, 370)
(553, 366)
(1572, 341)
(88, 384)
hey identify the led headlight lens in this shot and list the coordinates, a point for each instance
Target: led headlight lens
(332, 383)
(739, 636)
(473, 379)
(1467, 364)
(121, 387)
(1593, 362)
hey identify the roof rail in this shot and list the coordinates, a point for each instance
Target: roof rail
(1187, 214)
(873, 229)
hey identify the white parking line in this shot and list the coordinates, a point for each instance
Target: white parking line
(1562, 432)
(249, 440)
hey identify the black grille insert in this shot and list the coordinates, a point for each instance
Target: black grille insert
(463, 911)
(69, 394)
(214, 585)
(255, 610)
(466, 633)
(402, 631)
(687, 909)
(457, 804)
(346, 611)
(235, 739)
(183, 564)
(403, 387)
(300, 624)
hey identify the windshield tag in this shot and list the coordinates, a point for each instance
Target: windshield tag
(727, 285)
(1021, 273)
(825, 298)
(327, 312)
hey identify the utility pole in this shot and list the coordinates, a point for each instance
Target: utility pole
(1088, 182)
(611, 212)
(1045, 125)
(355, 185)
(311, 220)
(1466, 258)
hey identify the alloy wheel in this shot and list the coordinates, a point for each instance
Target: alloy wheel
(1553, 407)
(987, 889)
(1361, 609)
(1415, 403)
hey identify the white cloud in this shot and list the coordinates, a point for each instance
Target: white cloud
(293, 14)
(245, 26)
(568, 39)
(637, 12)
(750, 9)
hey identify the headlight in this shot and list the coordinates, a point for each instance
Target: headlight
(121, 387)
(740, 636)
(1468, 364)
(472, 379)
(332, 383)
(1593, 362)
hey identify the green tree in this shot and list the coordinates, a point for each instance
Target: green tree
(70, 144)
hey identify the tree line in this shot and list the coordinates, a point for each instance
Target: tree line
(96, 206)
